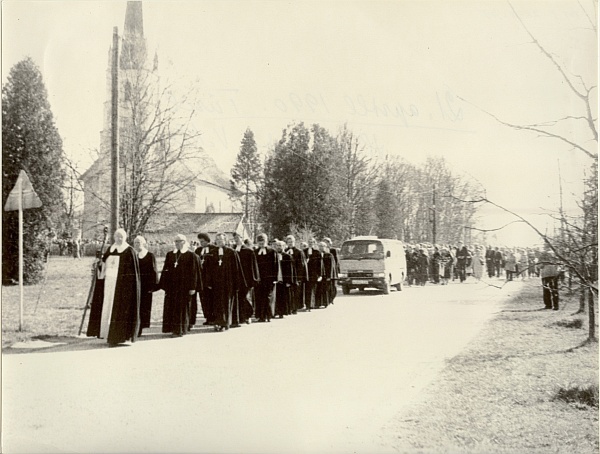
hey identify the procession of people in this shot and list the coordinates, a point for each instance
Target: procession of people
(234, 282)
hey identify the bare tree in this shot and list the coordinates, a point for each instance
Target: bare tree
(576, 247)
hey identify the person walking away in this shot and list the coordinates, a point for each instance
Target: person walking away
(550, 272)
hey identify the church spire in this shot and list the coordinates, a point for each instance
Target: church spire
(133, 50)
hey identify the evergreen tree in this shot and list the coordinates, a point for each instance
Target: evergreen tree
(30, 142)
(247, 175)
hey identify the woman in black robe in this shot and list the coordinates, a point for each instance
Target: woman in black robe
(148, 280)
(115, 312)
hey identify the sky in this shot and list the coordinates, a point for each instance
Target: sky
(410, 78)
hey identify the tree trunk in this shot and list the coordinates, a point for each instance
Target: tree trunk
(581, 300)
(592, 316)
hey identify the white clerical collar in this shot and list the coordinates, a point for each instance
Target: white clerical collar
(183, 249)
(238, 247)
(124, 245)
(262, 251)
(310, 250)
(142, 253)
(221, 251)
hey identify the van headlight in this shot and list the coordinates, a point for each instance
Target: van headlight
(342, 275)
(380, 275)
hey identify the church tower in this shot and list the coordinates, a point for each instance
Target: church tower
(132, 62)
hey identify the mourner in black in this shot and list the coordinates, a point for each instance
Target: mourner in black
(204, 292)
(223, 278)
(300, 270)
(243, 306)
(148, 280)
(179, 281)
(314, 261)
(267, 269)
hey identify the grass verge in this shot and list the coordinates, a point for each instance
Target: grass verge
(528, 383)
(54, 307)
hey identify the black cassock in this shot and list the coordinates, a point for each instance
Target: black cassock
(300, 270)
(314, 263)
(148, 279)
(115, 311)
(223, 276)
(178, 279)
(264, 291)
(286, 280)
(243, 306)
(203, 291)
(326, 288)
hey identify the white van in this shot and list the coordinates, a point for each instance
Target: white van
(368, 261)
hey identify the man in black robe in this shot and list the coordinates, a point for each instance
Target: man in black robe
(223, 278)
(179, 280)
(205, 294)
(314, 261)
(324, 290)
(336, 269)
(286, 279)
(266, 259)
(243, 306)
(115, 311)
(300, 270)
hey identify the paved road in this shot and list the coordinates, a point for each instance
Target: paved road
(323, 381)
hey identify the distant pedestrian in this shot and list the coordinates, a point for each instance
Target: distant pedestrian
(550, 271)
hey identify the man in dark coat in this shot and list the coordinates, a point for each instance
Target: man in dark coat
(300, 270)
(314, 261)
(223, 278)
(205, 294)
(489, 261)
(326, 287)
(334, 252)
(267, 269)
(463, 259)
(243, 307)
(286, 280)
(179, 280)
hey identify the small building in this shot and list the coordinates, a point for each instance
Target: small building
(163, 228)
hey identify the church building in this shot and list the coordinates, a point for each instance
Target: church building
(206, 188)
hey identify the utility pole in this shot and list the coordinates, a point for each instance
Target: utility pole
(434, 227)
(114, 141)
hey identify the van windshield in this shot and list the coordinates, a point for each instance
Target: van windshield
(362, 249)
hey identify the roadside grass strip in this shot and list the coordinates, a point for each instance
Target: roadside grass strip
(528, 383)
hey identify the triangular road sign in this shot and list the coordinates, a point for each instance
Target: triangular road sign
(30, 198)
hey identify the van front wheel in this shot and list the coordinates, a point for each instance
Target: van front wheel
(387, 288)
(345, 289)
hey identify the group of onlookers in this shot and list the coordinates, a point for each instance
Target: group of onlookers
(440, 264)
(232, 279)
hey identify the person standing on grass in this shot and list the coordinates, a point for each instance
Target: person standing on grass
(550, 272)
(115, 311)
(179, 281)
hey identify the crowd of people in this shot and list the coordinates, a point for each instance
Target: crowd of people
(232, 280)
(440, 264)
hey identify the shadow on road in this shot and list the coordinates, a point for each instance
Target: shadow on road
(74, 343)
